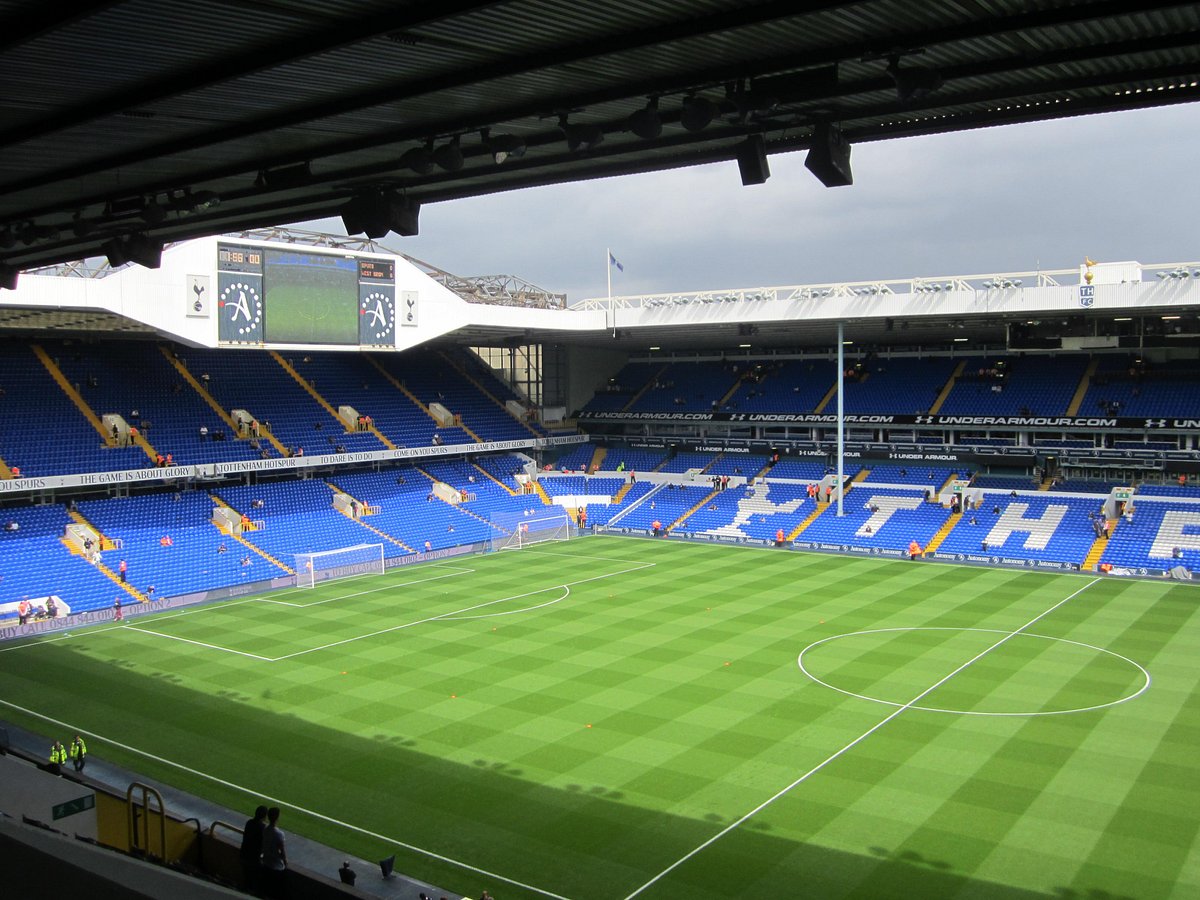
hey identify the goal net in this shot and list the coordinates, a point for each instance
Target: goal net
(515, 529)
(326, 565)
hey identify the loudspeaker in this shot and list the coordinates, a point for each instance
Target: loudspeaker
(386, 865)
(752, 160)
(375, 213)
(829, 156)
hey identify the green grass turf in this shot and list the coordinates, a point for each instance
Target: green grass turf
(448, 707)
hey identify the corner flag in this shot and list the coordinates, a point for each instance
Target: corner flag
(612, 261)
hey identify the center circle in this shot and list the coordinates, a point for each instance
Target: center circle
(1109, 662)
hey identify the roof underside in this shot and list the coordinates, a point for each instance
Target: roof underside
(174, 118)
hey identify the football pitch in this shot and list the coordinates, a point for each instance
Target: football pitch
(613, 718)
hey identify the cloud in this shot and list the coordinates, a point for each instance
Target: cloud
(1012, 198)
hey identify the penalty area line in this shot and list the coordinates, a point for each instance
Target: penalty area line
(457, 613)
(387, 587)
(430, 854)
(197, 643)
(854, 743)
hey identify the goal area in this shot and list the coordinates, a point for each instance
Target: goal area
(514, 529)
(326, 565)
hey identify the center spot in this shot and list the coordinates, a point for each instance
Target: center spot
(1027, 675)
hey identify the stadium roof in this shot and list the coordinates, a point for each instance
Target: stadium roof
(170, 120)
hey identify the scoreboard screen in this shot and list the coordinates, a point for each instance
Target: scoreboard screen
(292, 295)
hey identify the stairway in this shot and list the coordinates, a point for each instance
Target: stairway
(707, 499)
(479, 387)
(489, 475)
(943, 532)
(5, 471)
(812, 517)
(1098, 547)
(213, 404)
(325, 404)
(69, 389)
(619, 496)
(123, 585)
(1084, 383)
(828, 398)
(863, 475)
(395, 382)
(1047, 481)
(366, 525)
(645, 387)
(105, 543)
(541, 492)
(245, 543)
(941, 398)
(597, 459)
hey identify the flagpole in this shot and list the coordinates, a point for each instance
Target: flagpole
(608, 258)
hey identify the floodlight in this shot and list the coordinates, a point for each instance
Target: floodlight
(914, 82)
(696, 113)
(449, 156)
(502, 146)
(419, 159)
(646, 123)
(152, 213)
(284, 176)
(580, 137)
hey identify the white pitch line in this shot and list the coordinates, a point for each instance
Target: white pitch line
(854, 743)
(67, 726)
(387, 587)
(197, 643)
(456, 613)
(566, 592)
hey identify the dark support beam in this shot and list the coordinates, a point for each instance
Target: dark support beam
(34, 20)
(243, 61)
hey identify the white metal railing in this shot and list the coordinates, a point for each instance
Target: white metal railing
(982, 282)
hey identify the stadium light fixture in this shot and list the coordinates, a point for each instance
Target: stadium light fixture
(284, 177)
(80, 227)
(914, 82)
(580, 137)
(419, 159)
(152, 213)
(1123, 319)
(449, 156)
(502, 146)
(744, 346)
(696, 113)
(646, 123)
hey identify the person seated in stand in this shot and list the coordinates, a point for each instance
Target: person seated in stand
(51, 608)
(166, 541)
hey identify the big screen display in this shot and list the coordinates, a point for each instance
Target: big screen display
(295, 296)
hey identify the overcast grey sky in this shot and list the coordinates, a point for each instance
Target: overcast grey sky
(1121, 186)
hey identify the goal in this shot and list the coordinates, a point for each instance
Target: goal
(326, 565)
(513, 529)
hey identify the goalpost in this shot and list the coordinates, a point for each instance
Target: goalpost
(326, 565)
(517, 530)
